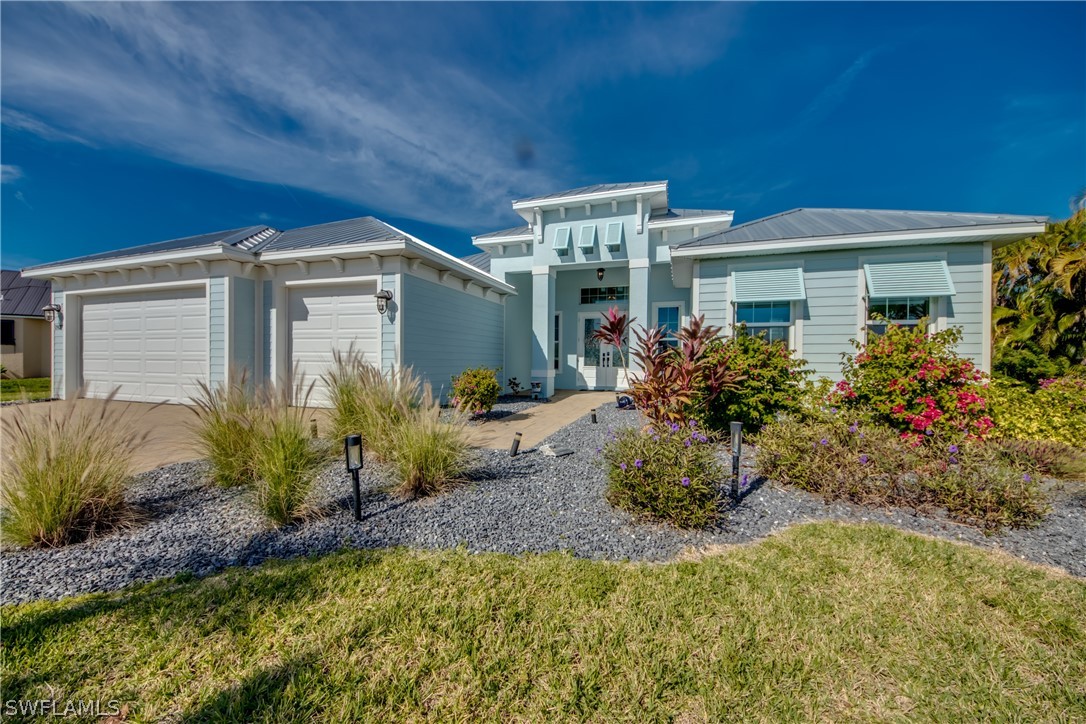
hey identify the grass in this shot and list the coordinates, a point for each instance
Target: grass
(286, 463)
(65, 471)
(823, 621)
(431, 455)
(33, 388)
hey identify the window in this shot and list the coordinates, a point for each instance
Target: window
(905, 311)
(595, 295)
(587, 237)
(7, 331)
(562, 236)
(669, 318)
(771, 319)
(557, 342)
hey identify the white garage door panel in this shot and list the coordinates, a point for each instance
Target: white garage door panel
(153, 346)
(331, 317)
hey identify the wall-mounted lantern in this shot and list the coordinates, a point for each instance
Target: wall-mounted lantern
(54, 313)
(599, 273)
(383, 298)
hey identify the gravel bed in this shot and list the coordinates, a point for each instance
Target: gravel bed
(506, 406)
(531, 503)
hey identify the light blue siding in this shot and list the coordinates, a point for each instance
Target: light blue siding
(388, 323)
(58, 347)
(832, 315)
(217, 329)
(243, 326)
(447, 331)
(267, 304)
(713, 292)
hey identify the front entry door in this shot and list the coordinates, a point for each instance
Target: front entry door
(598, 364)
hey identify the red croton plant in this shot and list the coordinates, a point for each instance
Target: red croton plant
(915, 382)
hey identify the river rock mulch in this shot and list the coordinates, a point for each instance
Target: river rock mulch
(530, 503)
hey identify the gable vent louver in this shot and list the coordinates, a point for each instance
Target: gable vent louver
(250, 241)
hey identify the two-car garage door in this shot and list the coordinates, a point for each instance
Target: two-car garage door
(153, 346)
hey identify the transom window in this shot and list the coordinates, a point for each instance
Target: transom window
(770, 319)
(595, 295)
(905, 311)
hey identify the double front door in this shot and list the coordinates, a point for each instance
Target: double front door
(599, 364)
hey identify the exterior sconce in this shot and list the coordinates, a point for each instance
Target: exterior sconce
(383, 298)
(599, 273)
(352, 451)
(54, 313)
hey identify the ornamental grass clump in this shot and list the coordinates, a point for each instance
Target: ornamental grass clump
(668, 473)
(475, 390)
(286, 459)
(840, 457)
(916, 383)
(431, 453)
(229, 421)
(65, 471)
(366, 401)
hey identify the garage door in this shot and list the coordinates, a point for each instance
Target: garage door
(153, 346)
(331, 317)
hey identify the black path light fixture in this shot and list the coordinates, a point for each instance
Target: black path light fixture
(599, 273)
(737, 450)
(383, 298)
(352, 451)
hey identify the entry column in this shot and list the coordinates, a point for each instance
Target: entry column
(542, 322)
(639, 303)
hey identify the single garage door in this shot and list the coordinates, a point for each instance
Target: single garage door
(326, 318)
(151, 345)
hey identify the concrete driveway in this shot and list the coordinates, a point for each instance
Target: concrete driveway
(169, 434)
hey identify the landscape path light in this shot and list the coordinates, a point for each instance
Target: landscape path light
(737, 450)
(352, 451)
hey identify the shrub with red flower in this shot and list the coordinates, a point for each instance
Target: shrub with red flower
(916, 383)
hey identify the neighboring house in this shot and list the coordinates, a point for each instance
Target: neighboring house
(812, 277)
(156, 318)
(24, 333)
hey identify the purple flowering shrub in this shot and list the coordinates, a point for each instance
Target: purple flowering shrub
(840, 457)
(476, 390)
(668, 473)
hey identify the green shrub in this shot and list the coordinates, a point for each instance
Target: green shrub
(368, 402)
(476, 390)
(1028, 364)
(669, 474)
(229, 424)
(772, 381)
(915, 383)
(1056, 411)
(871, 464)
(65, 471)
(430, 454)
(286, 462)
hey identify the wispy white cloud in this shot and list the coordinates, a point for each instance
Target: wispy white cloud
(834, 94)
(396, 110)
(10, 173)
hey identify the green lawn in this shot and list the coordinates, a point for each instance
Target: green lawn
(824, 621)
(36, 388)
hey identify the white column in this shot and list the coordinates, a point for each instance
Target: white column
(640, 306)
(542, 323)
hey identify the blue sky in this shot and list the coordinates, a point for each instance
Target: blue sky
(132, 123)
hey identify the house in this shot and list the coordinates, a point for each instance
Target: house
(812, 277)
(154, 319)
(24, 331)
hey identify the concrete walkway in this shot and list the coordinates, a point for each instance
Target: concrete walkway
(539, 422)
(169, 432)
